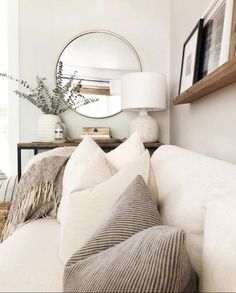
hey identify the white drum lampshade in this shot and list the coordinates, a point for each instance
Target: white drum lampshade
(144, 92)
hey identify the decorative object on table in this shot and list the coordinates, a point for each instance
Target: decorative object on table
(60, 131)
(144, 92)
(96, 132)
(4, 211)
(46, 127)
(191, 58)
(51, 103)
(217, 32)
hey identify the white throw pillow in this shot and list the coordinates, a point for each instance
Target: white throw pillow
(83, 176)
(79, 158)
(129, 150)
(85, 210)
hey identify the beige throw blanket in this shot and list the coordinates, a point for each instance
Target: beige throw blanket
(38, 194)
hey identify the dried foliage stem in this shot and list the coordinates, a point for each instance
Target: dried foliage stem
(52, 103)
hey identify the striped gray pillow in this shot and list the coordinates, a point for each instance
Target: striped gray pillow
(133, 212)
(131, 252)
(8, 189)
(153, 260)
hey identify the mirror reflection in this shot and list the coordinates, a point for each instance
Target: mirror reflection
(100, 59)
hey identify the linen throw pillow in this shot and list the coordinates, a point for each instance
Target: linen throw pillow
(85, 210)
(126, 152)
(131, 149)
(76, 170)
(153, 260)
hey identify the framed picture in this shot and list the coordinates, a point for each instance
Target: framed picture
(217, 31)
(191, 58)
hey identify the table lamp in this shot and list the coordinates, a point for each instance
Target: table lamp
(144, 92)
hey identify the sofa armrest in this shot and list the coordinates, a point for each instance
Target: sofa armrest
(219, 246)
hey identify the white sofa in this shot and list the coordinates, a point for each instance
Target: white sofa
(196, 193)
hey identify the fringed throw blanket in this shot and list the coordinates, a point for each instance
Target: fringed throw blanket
(38, 193)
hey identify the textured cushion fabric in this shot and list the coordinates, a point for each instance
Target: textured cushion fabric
(153, 260)
(85, 210)
(133, 212)
(219, 246)
(8, 189)
(186, 182)
(29, 259)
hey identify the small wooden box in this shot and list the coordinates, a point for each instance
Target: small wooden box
(96, 132)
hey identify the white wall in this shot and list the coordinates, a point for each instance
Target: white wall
(208, 125)
(13, 67)
(46, 26)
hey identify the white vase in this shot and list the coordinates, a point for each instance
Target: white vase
(46, 127)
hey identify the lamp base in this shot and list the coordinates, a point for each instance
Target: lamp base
(146, 126)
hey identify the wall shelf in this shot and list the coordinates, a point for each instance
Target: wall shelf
(219, 78)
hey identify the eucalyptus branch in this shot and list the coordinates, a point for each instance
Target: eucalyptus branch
(62, 97)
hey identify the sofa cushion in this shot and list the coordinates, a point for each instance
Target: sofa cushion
(219, 246)
(186, 182)
(29, 259)
(153, 260)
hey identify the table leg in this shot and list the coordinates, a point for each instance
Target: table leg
(19, 162)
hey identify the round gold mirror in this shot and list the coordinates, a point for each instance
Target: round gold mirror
(100, 59)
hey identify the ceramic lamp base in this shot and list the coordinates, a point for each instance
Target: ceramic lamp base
(146, 126)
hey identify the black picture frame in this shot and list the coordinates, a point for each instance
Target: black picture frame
(213, 30)
(199, 29)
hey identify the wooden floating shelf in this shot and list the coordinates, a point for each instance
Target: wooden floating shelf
(219, 78)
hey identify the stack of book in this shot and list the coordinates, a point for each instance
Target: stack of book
(102, 133)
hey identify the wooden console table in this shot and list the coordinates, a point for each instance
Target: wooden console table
(105, 145)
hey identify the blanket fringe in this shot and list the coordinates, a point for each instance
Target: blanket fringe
(42, 194)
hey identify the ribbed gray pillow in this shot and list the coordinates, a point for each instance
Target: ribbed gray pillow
(125, 256)
(154, 260)
(133, 212)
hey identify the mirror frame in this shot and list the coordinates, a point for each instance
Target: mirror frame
(104, 32)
